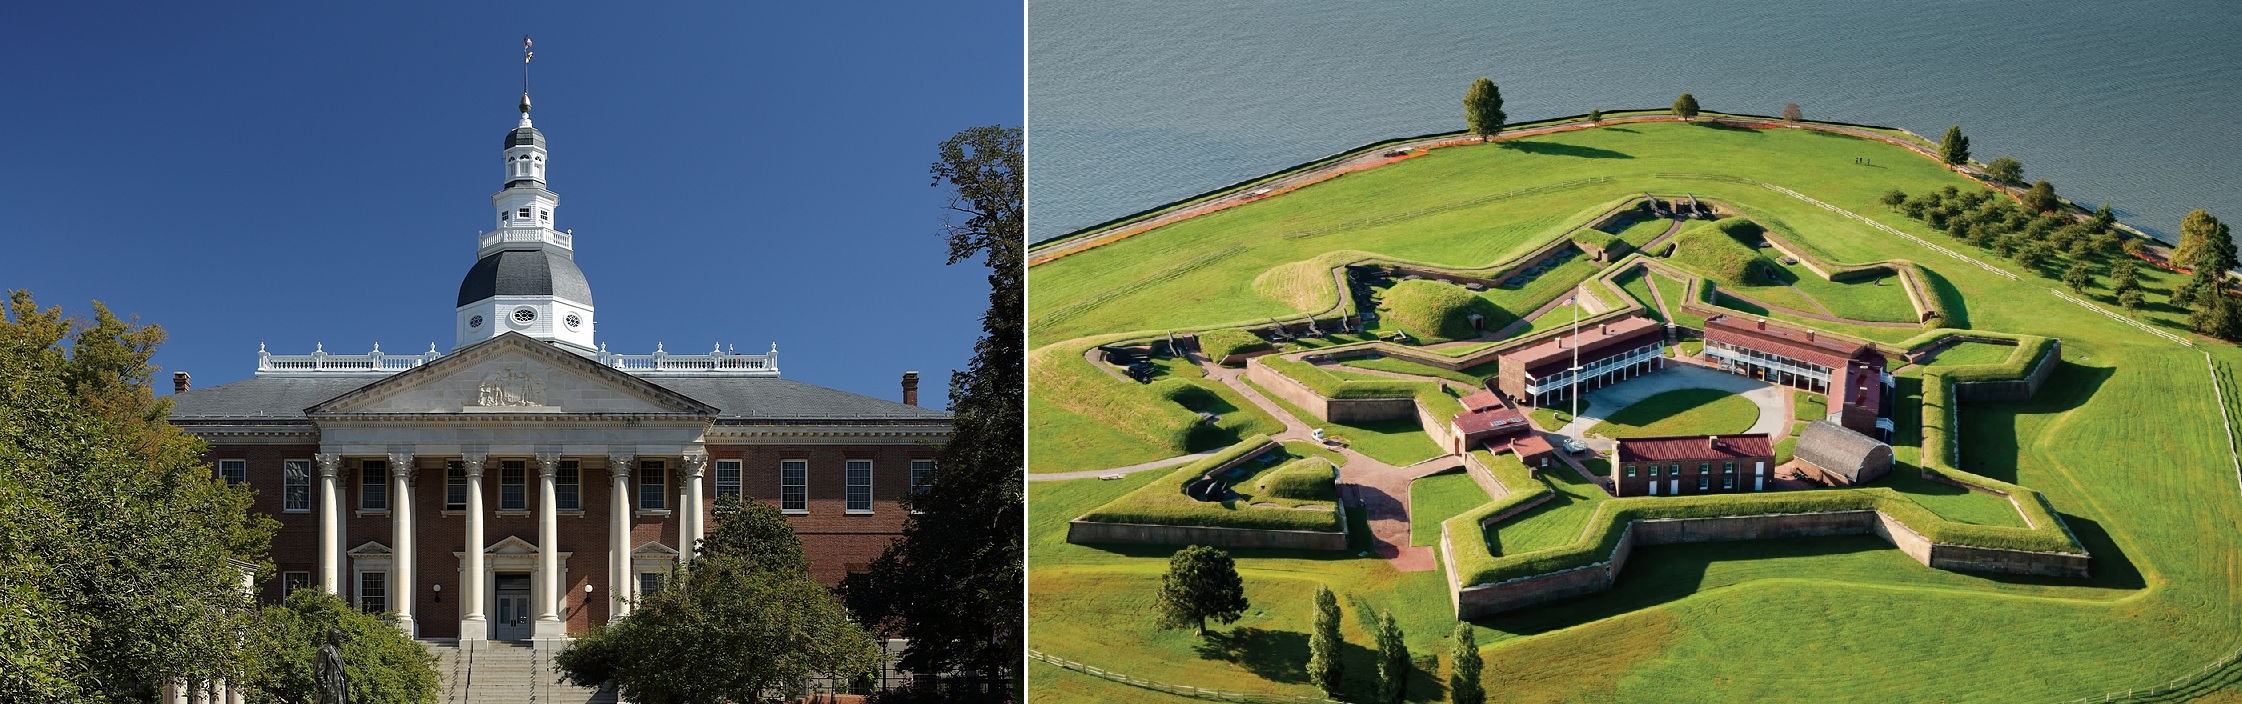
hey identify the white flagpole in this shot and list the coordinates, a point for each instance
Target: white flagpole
(1576, 362)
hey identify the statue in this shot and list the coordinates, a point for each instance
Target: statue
(327, 671)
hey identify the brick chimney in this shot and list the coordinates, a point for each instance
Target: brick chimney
(911, 388)
(1762, 323)
(180, 382)
(1605, 329)
(1809, 336)
(1712, 443)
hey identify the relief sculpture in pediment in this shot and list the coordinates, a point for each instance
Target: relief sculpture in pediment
(511, 387)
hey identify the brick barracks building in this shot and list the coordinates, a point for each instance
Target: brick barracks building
(527, 483)
(1692, 464)
(1541, 373)
(1850, 374)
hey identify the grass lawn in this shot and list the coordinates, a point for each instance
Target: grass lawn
(1474, 375)
(1557, 318)
(1672, 290)
(1882, 299)
(1080, 442)
(1556, 522)
(1968, 353)
(1637, 286)
(2124, 440)
(1808, 406)
(1398, 442)
(1641, 232)
(1681, 412)
(1438, 498)
(1552, 418)
(1549, 286)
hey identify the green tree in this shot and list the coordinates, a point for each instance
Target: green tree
(121, 554)
(2005, 169)
(1685, 107)
(1464, 686)
(2032, 256)
(1954, 148)
(1393, 663)
(2041, 197)
(1201, 583)
(2132, 299)
(951, 585)
(1596, 115)
(2104, 219)
(2079, 276)
(1483, 109)
(1791, 113)
(2214, 314)
(756, 533)
(1893, 198)
(379, 662)
(1325, 668)
(2125, 275)
(2205, 243)
(725, 630)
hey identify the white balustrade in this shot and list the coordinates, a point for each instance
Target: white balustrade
(716, 362)
(505, 235)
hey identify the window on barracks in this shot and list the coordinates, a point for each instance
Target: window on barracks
(373, 592)
(652, 477)
(649, 583)
(1727, 468)
(513, 485)
(568, 492)
(234, 471)
(373, 487)
(1630, 471)
(727, 478)
(295, 487)
(1704, 467)
(1727, 482)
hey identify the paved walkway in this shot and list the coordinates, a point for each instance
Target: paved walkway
(1117, 472)
(1773, 400)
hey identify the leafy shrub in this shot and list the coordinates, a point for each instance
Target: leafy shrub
(1436, 310)
(1221, 343)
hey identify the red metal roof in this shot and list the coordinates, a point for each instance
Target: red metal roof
(1804, 346)
(1695, 447)
(1864, 385)
(1529, 445)
(1482, 400)
(1594, 342)
(1502, 418)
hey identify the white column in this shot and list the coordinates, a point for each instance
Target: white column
(548, 594)
(330, 524)
(473, 626)
(401, 533)
(620, 581)
(689, 529)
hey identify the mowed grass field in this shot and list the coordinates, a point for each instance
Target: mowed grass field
(2125, 440)
(1681, 412)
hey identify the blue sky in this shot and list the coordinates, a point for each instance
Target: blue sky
(316, 172)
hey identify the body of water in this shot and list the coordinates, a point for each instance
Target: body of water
(1132, 104)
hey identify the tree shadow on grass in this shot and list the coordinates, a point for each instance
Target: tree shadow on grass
(1276, 656)
(1563, 149)
(1725, 127)
(1957, 307)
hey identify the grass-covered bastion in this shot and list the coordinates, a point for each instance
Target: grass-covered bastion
(2062, 469)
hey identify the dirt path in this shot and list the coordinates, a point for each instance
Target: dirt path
(1117, 472)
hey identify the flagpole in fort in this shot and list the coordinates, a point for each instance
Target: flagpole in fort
(1576, 363)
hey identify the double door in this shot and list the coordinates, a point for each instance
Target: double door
(512, 610)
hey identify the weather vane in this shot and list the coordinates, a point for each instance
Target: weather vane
(526, 56)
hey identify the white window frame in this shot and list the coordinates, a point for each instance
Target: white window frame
(658, 471)
(849, 476)
(728, 478)
(794, 490)
(295, 481)
(657, 577)
(922, 475)
(520, 469)
(570, 474)
(358, 587)
(303, 576)
(234, 471)
(373, 481)
(455, 478)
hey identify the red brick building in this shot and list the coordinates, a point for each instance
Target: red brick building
(1486, 419)
(1851, 374)
(529, 482)
(1539, 374)
(1692, 464)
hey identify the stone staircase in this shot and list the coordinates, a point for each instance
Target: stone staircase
(506, 672)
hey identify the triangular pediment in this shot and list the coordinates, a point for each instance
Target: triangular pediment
(511, 374)
(512, 545)
(369, 549)
(655, 549)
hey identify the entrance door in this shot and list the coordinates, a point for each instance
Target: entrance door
(513, 608)
(1673, 487)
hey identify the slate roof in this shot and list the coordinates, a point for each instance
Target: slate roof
(1839, 450)
(525, 273)
(739, 400)
(1695, 447)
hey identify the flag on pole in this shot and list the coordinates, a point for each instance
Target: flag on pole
(526, 53)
